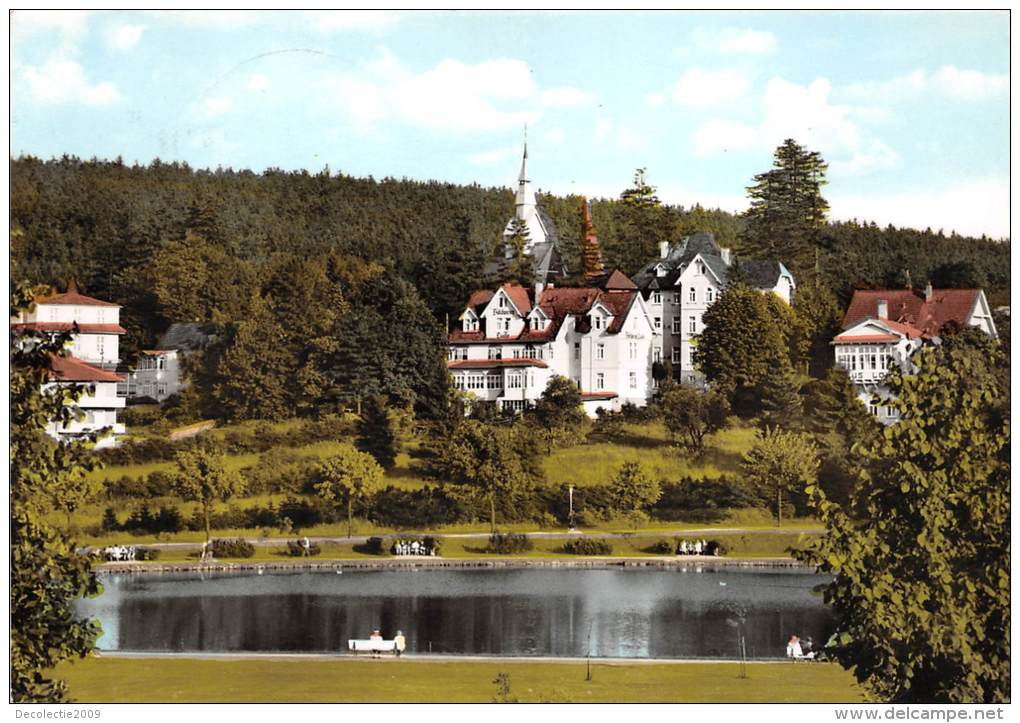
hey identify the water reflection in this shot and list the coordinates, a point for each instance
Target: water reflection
(569, 612)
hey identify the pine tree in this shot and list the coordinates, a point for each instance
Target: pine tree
(591, 254)
(376, 435)
(787, 209)
(642, 226)
(256, 369)
(520, 268)
(780, 400)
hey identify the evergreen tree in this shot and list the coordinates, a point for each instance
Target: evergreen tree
(642, 225)
(520, 268)
(819, 314)
(591, 254)
(376, 435)
(919, 558)
(47, 574)
(255, 370)
(780, 400)
(787, 209)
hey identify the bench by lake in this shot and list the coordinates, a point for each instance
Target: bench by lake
(692, 612)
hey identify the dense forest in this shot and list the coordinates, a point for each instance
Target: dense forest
(310, 253)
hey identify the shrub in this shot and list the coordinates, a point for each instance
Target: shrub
(147, 553)
(588, 546)
(374, 546)
(509, 543)
(714, 547)
(662, 547)
(141, 415)
(426, 507)
(296, 549)
(232, 548)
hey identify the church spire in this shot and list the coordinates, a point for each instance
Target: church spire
(525, 194)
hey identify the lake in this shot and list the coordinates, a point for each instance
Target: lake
(690, 612)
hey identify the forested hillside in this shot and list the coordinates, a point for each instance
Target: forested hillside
(172, 243)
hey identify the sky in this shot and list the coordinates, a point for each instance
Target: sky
(910, 109)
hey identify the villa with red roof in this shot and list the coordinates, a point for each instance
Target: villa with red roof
(510, 342)
(95, 331)
(883, 328)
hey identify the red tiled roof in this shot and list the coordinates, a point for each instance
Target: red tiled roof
(72, 298)
(69, 369)
(67, 326)
(518, 295)
(909, 308)
(618, 281)
(557, 304)
(493, 363)
(864, 338)
(479, 299)
(598, 396)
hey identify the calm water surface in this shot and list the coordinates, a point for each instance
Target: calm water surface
(624, 613)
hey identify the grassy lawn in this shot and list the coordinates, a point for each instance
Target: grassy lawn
(648, 444)
(113, 680)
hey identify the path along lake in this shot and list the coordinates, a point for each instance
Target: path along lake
(685, 612)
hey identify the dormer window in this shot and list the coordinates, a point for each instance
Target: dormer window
(537, 323)
(660, 270)
(597, 321)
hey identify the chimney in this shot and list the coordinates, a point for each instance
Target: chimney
(727, 256)
(883, 309)
(928, 293)
(663, 249)
(539, 286)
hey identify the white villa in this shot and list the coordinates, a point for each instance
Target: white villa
(156, 376)
(684, 281)
(883, 328)
(95, 331)
(509, 342)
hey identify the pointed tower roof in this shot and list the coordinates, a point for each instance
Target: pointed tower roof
(525, 193)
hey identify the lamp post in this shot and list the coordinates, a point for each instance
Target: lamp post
(571, 497)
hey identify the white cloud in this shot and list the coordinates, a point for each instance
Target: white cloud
(972, 208)
(735, 40)
(804, 113)
(67, 22)
(328, 21)
(948, 81)
(124, 37)
(567, 97)
(608, 133)
(452, 95)
(654, 100)
(700, 88)
(212, 19)
(970, 84)
(496, 155)
(257, 83)
(61, 80)
(554, 136)
(214, 107)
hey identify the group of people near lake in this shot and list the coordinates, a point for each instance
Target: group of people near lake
(414, 547)
(119, 553)
(697, 547)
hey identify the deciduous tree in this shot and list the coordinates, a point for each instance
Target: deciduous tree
(47, 574)
(632, 489)
(781, 462)
(919, 557)
(202, 476)
(348, 477)
(690, 414)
